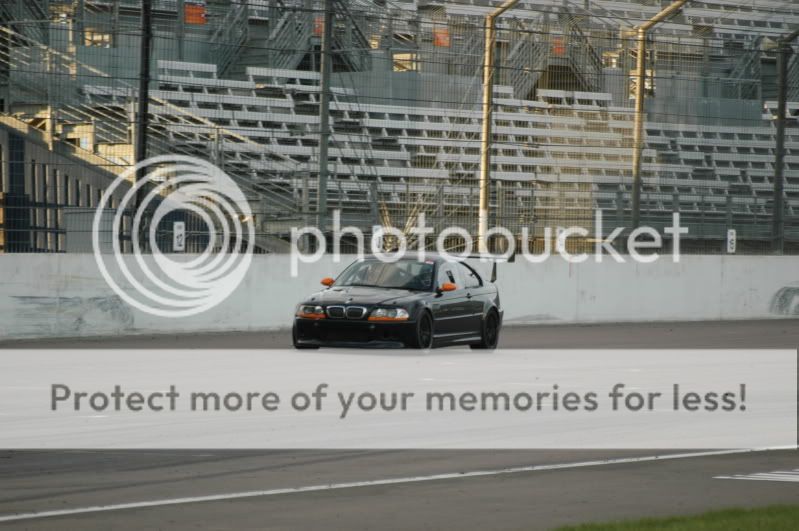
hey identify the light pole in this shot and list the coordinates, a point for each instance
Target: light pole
(142, 118)
(324, 113)
(784, 52)
(485, 138)
(638, 129)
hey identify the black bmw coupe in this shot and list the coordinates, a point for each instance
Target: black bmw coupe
(411, 303)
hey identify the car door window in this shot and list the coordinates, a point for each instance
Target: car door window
(444, 275)
(447, 274)
(471, 278)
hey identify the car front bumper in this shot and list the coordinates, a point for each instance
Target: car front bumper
(353, 333)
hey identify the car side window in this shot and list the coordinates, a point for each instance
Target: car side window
(450, 272)
(471, 278)
(443, 275)
(446, 273)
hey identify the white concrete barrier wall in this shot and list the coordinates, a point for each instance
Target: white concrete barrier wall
(64, 295)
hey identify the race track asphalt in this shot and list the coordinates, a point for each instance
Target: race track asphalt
(397, 489)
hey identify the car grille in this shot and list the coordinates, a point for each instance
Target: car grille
(350, 312)
(355, 312)
(335, 312)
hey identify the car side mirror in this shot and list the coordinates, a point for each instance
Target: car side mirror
(448, 286)
(328, 281)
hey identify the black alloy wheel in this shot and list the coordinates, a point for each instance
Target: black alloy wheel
(424, 332)
(490, 333)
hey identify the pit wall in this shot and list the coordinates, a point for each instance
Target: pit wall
(65, 295)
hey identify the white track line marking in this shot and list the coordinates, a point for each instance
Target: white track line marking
(778, 475)
(375, 482)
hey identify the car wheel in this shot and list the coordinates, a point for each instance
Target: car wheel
(297, 344)
(424, 332)
(489, 335)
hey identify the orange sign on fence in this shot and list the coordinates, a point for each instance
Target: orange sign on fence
(441, 37)
(558, 46)
(194, 13)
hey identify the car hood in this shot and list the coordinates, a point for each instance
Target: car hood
(362, 295)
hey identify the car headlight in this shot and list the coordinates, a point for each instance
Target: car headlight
(308, 311)
(389, 314)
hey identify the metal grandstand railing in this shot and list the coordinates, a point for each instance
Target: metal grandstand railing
(469, 46)
(526, 60)
(349, 36)
(46, 93)
(579, 51)
(27, 16)
(230, 37)
(745, 76)
(293, 27)
(289, 39)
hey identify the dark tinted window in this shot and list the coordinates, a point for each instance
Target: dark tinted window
(404, 274)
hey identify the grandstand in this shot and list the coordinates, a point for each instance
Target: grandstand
(237, 82)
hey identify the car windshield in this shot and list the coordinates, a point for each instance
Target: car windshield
(404, 274)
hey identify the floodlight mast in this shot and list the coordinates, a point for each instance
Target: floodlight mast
(784, 52)
(142, 112)
(324, 114)
(638, 129)
(485, 138)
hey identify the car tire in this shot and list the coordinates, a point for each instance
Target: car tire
(489, 333)
(297, 344)
(423, 338)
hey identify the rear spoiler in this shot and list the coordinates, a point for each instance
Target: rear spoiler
(494, 259)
